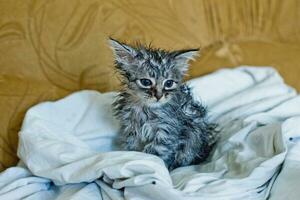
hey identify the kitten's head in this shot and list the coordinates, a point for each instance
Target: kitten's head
(151, 76)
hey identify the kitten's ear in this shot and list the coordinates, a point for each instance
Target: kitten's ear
(182, 58)
(124, 54)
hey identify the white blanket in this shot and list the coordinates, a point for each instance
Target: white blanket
(67, 150)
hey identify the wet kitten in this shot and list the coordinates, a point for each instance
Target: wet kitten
(156, 110)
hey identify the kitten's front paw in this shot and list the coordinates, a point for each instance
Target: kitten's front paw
(161, 152)
(182, 159)
(172, 166)
(149, 148)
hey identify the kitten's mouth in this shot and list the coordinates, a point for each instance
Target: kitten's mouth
(155, 102)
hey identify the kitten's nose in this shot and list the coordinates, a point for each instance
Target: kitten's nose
(158, 96)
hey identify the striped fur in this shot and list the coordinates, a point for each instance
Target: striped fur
(174, 127)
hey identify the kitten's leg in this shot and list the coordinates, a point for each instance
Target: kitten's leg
(128, 143)
(184, 155)
(162, 146)
(131, 143)
(188, 149)
(192, 149)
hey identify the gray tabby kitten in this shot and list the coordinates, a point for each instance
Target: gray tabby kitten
(156, 110)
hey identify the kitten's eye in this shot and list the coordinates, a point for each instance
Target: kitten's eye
(144, 83)
(169, 85)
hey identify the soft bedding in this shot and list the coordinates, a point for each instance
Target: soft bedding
(67, 147)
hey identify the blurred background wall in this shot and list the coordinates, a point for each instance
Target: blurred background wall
(49, 49)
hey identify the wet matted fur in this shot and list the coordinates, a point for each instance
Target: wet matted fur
(155, 107)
